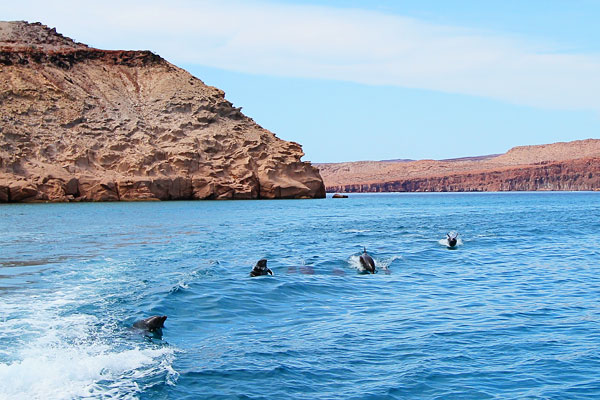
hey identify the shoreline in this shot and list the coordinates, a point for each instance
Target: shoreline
(329, 195)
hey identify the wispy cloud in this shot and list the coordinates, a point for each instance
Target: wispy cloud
(331, 43)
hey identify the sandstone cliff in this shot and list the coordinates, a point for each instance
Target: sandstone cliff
(558, 166)
(83, 124)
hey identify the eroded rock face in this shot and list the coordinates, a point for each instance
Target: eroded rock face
(82, 124)
(580, 174)
(558, 166)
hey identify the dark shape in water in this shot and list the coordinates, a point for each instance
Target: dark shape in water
(261, 268)
(307, 270)
(367, 262)
(452, 239)
(151, 324)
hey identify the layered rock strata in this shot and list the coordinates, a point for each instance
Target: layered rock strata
(83, 124)
(558, 166)
(581, 174)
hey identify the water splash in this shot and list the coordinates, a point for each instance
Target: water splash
(380, 263)
(385, 263)
(64, 354)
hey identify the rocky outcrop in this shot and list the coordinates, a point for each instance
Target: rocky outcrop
(82, 124)
(558, 166)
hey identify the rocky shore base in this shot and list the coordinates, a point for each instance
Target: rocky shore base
(51, 189)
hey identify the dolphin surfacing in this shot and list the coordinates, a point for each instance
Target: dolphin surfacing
(452, 239)
(367, 262)
(261, 268)
(151, 324)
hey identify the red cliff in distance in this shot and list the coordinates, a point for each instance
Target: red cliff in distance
(559, 166)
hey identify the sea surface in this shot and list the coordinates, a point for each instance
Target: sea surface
(512, 312)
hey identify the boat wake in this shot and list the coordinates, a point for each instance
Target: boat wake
(64, 356)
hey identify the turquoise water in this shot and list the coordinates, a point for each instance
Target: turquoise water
(513, 312)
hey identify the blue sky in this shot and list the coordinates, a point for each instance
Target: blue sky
(370, 80)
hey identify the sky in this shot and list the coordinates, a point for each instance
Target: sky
(371, 79)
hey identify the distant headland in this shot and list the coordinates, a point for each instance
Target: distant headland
(83, 124)
(558, 166)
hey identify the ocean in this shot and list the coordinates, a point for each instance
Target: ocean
(512, 312)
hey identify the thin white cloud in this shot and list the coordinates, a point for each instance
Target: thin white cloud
(330, 43)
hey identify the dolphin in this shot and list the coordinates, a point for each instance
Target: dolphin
(261, 268)
(367, 262)
(151, 324)
(452, 239)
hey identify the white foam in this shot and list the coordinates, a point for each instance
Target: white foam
(386, 262)
(65, 372)
(444, 242)
(182, 284)
(354, 262)
(57, 355)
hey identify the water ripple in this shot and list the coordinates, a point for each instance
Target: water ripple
(510, 313)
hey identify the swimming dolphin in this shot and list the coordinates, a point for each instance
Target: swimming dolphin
(367, 262)
(452, 239)
(151, 324)
(261, 268)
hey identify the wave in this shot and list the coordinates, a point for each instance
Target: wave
(65, 371)
(188, 277)
(62, 356)
(385, 263)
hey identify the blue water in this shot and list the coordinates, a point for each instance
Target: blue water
(513, 312)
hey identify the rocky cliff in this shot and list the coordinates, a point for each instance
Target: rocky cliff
(558, 166)
(83, 124)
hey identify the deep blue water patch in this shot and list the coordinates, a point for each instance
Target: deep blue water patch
(513, 312)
